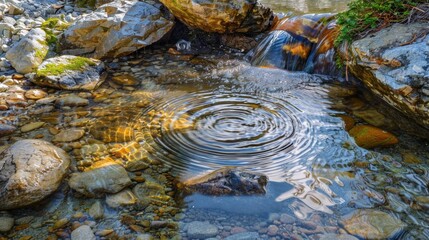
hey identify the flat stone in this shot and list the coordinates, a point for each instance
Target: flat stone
(6, 130)
(96, 211)
(35, 94)
(125, 79)
(244, 236)
(31, 126)
(69, 135)
(83, 232)
(6, 224)
(72, 101)
(331, 236)
(121, 199)
(201, 230)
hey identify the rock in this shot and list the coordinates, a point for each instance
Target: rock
(121, 199)
(70, 73)
(144, 237)
(3, 87)
(35, 94)
(244, 236)
(30, 170)
(367, 136)
(6, 130)
(69, 135)
(118, 28)
(125, 79)
(27, 54)
(15, 10)
(6, 224)
(103, 177)
(96, 211)
(372, 224)
(31, 126)
(72, 101)
(330, 236)
(287, 219)
(83, 232)
(150, 190)
(272, 230)
(201, 230)
(391, 64)
(228, 181)
(222, 16)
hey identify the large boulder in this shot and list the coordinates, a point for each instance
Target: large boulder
(118, 28)
(394, 64)
(70, 73)
(222, 16)
(27, 54)
(30, 170)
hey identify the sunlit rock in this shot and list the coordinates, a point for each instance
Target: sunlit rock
(83, 232)
(222, 16)
(118, 28)
(70, 73)
(27, 54)
(372, 224)
(393, 64)
(121, 199)
(367, 136)
(104, 176)
(30, 170)
(228, 181)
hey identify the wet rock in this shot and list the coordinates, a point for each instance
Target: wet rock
(31, 126)
(103, 177)
(110, 134)
(367, 136)
(96, 211)
(6, 224)
(272, 230)
(125, 79)
(228, 181)
(30, 170)
(392, 63)
(287, 219)
(144, 237)
(244, 236)
(222, 16)
(6, 130)
(72, 101)
(27, 54)
(83, 232)
(330, 236)
(150, 190)
(70, 73)
(121, 199)
(118, 28)
(372, 224)
(35, 94)
(201, 230)
(69, 135)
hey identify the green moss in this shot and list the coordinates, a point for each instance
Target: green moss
(86, 3)
(365, 16)
(50, 26)
(41, 53)
(75, 64)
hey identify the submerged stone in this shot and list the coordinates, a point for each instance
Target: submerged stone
(121, 199)
(6, 130)
(30, 170)
(228, 181)
(367, 136)
(201, 230)
(372, 224)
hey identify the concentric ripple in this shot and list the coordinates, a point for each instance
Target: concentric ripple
(268, 133)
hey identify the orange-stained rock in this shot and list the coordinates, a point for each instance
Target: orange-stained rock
(222, 16)
(349, 122)
(367, 136)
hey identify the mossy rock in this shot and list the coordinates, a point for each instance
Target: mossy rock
(368, 136)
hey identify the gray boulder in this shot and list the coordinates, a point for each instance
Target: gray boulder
(27, 54)
(30, 170)
(118, 28)
(394, 64)
(70, 73)
(201, 230)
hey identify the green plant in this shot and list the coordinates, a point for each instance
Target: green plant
(52, 27)
(74, 64)
(86, 3)
(365, 16)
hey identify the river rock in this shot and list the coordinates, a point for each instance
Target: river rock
(372, 224)
(121, 199)
(244, 236)
(83, 232)
(331, 236)
(6, 130)
(30, 170)
(201, 230)
(70, 73)
(6, 224)
(394, 64)
(222, 16)
(31, 126)
(96, 211)
(27, 54)
(72, 101)
(118, 28)
(367, 136)
(35, 94)
(103, 177)
(69, 135)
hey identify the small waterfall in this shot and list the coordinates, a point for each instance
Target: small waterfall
(303, 43)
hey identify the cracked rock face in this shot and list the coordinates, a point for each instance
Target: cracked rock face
(88, 77)
(222, 16)
(394, 64)
(30, 170)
